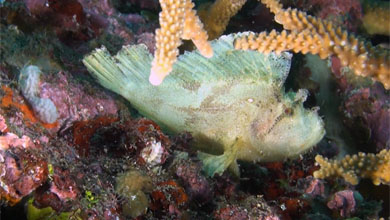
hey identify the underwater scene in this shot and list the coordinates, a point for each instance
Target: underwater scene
(194, 109)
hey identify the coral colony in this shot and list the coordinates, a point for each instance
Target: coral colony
(194, 109)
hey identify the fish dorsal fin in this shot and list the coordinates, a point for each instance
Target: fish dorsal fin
(122, 73)
(230, 64)
(130, 67)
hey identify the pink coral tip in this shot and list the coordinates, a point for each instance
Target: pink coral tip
(156, 78)
(204, 48)
(208, 53)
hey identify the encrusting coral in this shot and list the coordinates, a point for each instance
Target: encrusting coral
(216, 16)
(352, 168)
(177, 21)
(308, 34)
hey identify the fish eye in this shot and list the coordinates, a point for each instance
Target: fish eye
(288, 111)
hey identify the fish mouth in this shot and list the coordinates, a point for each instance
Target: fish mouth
(264, 127)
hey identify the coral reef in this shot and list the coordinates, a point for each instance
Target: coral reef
(34, 213)
(74, 101)
(352, 168)
(22, 168)
(64, 188)
(336, 7)
(197, 186)
(71, 101)
(345, 13)
(101, 160)
(67, 17)
(231, 212)
(132, 185)
(169, 196)
(343, 201)
(3, 125)
(14, 101)
(367, 114)
(316, 187)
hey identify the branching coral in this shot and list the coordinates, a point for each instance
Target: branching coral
(216, 17)
(308, 34)
(177, 21)
(352, 168)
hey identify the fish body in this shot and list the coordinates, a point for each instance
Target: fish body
(233, 104)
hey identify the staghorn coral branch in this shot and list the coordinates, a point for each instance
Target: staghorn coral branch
(193, 30)
(274, 6)
(264, 42)
(352, 168)
(177, 21)
(313, 35)
(216, 16)
(167, 39)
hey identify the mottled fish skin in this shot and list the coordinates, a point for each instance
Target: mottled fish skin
(233, 103)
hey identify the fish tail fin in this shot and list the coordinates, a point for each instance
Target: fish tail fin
(121, 73)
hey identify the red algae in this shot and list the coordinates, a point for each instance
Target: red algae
(83, 131)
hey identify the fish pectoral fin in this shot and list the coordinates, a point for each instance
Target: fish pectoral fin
(213, 164)
(234, 168)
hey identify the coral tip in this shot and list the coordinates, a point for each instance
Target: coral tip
(156, 78)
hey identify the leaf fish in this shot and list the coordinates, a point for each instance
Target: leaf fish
(233, 104)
